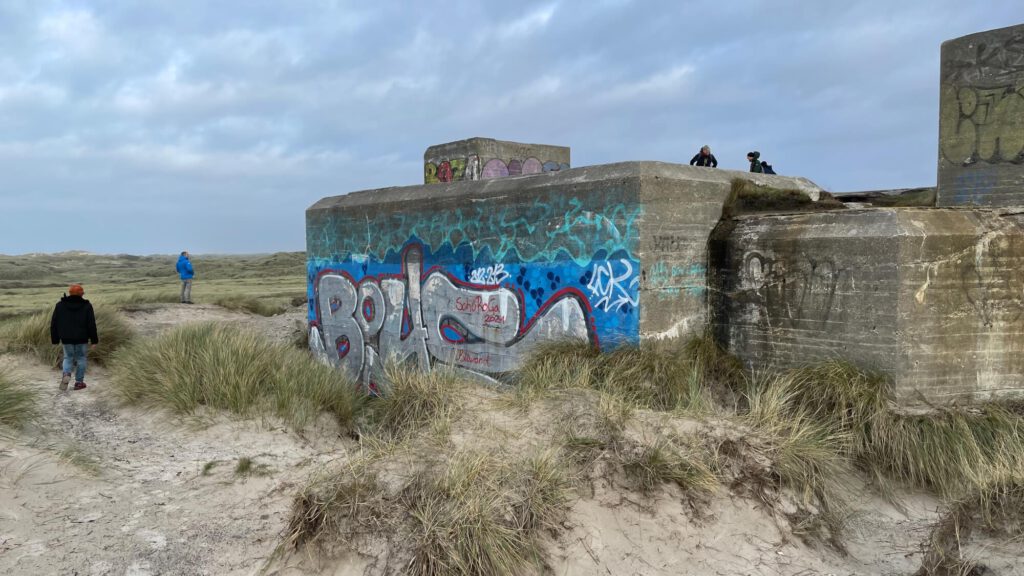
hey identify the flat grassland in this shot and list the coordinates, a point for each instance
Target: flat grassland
(33, 282)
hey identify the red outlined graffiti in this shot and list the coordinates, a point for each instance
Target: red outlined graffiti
(433, 317)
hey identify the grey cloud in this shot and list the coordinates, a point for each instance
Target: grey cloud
(154, 124)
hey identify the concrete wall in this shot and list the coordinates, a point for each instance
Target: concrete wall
(486, 158)
(981, 122)
(473, 274)
(931, 297)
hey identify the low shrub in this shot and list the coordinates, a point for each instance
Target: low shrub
(225, 367)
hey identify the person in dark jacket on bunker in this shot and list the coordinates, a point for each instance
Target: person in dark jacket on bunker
(704, 158)
(73, 324)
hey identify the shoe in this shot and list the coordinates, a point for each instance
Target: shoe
(79, 385)
(64, 379)
(189, 302)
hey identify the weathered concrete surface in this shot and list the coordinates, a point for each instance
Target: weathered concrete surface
(931, 297)
(486, 158)
(981, 121)
(473, 274)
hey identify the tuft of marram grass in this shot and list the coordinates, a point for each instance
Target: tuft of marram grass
(480, 515)
(147, 297)
(226, 367)
(954, 451)
(998, 508)
(32, 335)
(413, 399)
(259, 306)
(668, 374)
(17, 402)
(652, 464)
(471, 513)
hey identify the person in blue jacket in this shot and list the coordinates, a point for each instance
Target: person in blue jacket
(186, 273)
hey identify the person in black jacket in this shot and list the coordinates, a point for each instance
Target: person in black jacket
(704, 158)
(74, 325)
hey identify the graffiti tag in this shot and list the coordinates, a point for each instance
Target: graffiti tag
(612, 290)
(433, 318)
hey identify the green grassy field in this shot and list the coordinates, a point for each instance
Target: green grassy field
(34, 282)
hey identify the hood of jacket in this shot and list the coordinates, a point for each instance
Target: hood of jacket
(74, 302)
(181, 259)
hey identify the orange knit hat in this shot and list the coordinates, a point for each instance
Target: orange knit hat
(76, 290)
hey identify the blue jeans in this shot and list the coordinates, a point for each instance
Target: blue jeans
(75, 353)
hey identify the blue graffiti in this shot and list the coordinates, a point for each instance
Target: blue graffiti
(554, 228)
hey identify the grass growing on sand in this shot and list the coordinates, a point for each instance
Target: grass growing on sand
(472, 513)
(32, 335)
(228, 368)
(255, 305)
(17, 402)
(660, 462)
(34, 281)
(953, 451)
(680, 413)
(660, 375)
(414, 400)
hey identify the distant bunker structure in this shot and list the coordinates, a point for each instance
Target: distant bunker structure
(981, 119)
(475, 268)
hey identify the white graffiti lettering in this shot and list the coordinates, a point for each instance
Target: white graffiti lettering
(609, 290)
(489, 275)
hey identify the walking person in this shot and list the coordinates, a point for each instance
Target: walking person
(704, 158)
(186, 274)
(73, 324)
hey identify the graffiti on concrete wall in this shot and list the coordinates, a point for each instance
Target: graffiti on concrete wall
(795, 293)
(427, 316)
(982, 124)
(473, 168)
(514, 232)
(363, 314)
(994, 60)
(473, 288)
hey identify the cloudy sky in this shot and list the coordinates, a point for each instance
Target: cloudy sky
(150, 127)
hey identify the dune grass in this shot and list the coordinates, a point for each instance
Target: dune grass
(257, 305)
(953, 451)
(659, 462)
(470, 513)
(31, 335)
(671, 374)
(17, 402)
(31, 282)
(794, 439)
(414, 400)
(225, 367)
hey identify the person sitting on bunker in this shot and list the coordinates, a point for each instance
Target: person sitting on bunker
(704, 158)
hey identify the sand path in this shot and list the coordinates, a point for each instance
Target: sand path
(96, 488)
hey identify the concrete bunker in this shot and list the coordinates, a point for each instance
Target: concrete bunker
(471, 271)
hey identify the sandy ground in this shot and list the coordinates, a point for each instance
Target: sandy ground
(100, 489)
(96, 488)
